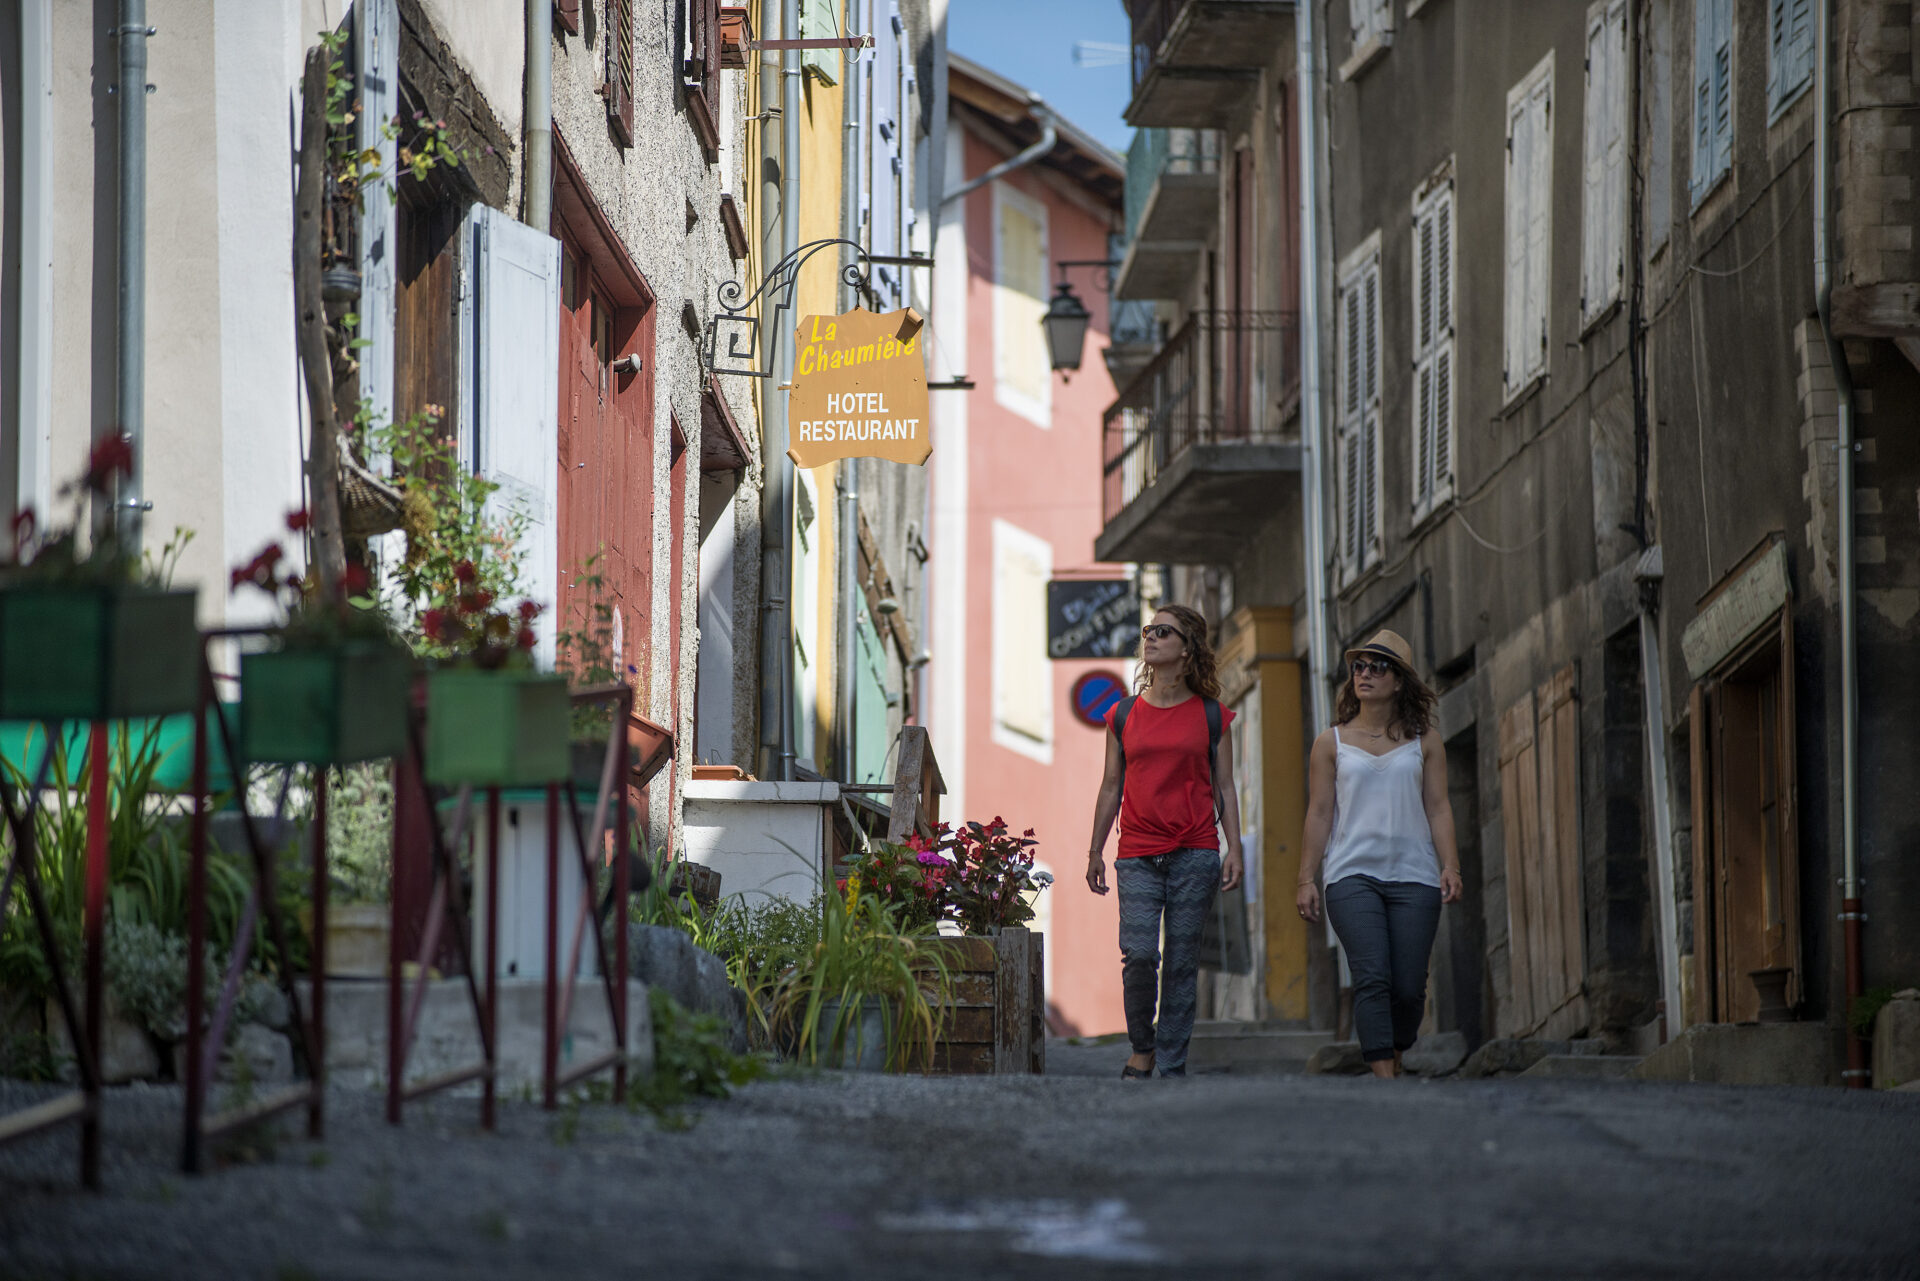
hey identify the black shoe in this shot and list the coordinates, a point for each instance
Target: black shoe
(1128, 1072)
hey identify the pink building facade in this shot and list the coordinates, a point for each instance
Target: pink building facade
(1016, 502)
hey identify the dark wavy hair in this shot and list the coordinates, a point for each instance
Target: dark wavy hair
(1202, 675)
(1412, 704)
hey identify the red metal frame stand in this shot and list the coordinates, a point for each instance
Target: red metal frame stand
(83, 1025)
(206, 1037)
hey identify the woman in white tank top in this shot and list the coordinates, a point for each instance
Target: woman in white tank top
(1380, 825)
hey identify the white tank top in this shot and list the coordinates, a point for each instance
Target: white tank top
(1380, 824)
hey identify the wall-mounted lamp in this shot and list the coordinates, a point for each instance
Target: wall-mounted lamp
(1066, 320)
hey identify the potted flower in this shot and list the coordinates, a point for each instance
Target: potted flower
(87, 631)
(492, 719)
(587, 656)
(333, 690)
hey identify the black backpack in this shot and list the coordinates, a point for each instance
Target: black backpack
(1212, 709)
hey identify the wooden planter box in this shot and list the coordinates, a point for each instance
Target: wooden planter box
(496, 729)
(997, 1023)
(97, 653)
(330, 706)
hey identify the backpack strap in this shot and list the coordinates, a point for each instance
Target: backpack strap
(1212, 709)
(1120, 725)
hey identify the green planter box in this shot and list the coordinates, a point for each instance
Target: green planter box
(325, 706)
(496, 729)
(97, 653)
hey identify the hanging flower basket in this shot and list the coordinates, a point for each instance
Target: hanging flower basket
(95, 652)
(369, 505)
(504, 728)
(324, 705)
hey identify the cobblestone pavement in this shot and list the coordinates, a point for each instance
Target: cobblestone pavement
(862, 1176)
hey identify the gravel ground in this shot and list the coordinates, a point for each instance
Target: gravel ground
(841, 1176)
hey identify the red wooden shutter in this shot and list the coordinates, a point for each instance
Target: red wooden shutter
(620, 70)
(566, 16)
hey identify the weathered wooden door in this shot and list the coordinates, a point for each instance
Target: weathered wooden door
(1540, 814)
(1749, 879)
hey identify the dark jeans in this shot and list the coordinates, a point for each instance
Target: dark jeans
(1176, 888)
(1387, 929)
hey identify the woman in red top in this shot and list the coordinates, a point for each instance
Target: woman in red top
(1177, 794)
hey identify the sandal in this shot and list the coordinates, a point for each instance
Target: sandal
(1128, 1072)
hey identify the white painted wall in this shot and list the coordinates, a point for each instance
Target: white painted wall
(947, 674)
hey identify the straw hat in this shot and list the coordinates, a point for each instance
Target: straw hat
(1386, 644)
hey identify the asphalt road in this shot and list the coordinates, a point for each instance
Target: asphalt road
(861, 1176)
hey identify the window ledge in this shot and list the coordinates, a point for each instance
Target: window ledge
(1598, 320)
(1366, 55)
(1430, 516)
(1520, 395)
(1778, 112)
(1705, 198)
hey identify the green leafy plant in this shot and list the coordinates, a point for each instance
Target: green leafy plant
(355, 169)
(911, 880)
(69, 554)
(360, 832)
(146, 970)
(1866, 1007)
(691, 1058)
(992, 882)
(315, 619)
(586, 651)
(818, 1003)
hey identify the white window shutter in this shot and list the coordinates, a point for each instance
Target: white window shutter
(377, 50)
(1777, 54)
(1722, 87)
(1702, 98)
(1443, 419)
(1539, 225)
(1615, 266)
(516, 392)
(1800, 42)
(1354, 384)
(1443, 272)
(1514, 363)
(1422, 435)
(1369, 488)
(1594, 149)
(1370, 362)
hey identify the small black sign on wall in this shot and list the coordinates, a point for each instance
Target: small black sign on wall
(1092, 618)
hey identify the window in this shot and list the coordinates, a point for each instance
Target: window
(1603, 224)
(620, 70)
(820, 20)
(1660, 124)
(1022, 672)
(1023, 374)
(1432, 345)
(1372, 20)
(1789, 53)
(1712, 95)
(1529, 226)
(1359, 440)
(700, 71)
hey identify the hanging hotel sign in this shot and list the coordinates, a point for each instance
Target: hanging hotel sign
(859, 389)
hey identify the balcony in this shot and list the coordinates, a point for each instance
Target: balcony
(1133, 337)
(1196, 63)
(1172, 205)
(1194, 441)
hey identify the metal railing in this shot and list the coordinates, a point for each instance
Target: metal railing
(1158, 151)
(1150, 20)
(1221, 378)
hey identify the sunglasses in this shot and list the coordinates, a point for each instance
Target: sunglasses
(1373, 667)
(1160, 631)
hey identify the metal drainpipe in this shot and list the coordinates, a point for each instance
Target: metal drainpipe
(1049, 134)
(776, 495)
(130, 382)
(1851, 915)
(847, 473)
(1311, 428)
(538, 174)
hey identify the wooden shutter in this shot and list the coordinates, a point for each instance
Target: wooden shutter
(619, 86)
(1433, 346)
(1370, 422)
(1722, 86)
(1520, 825)
(514, 320)
(1562, 951)
(376, 51)
(887, 159)
(1704, 917)
(701, 75)
(1442, 450)
(1519, 155)
(566, 16)
(1702, 174)
(1602, 261)
(1539, 223)
(1789, 52)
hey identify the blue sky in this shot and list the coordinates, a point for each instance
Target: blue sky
(1031, 41)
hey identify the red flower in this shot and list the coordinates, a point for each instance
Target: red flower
(23, 523)
(527, 639)
(112, 456)
(528, 611)
(240, 576)
(482, 598)
(432, 623)
(468, 602)
(355, 580)
(298, 520)
(464, 572)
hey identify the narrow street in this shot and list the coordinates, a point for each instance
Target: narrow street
(1069, 1175)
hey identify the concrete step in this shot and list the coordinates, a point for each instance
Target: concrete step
(1747, 1054)
(1593, 1067)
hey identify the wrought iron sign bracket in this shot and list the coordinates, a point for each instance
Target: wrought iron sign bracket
(744, 352)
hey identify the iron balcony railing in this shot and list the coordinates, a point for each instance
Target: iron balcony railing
(1221, 379)
(1150, 20)
(1159, 151)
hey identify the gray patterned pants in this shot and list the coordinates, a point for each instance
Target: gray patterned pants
(1176, 889)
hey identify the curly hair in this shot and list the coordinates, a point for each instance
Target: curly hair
(1202, 676)
(1412, 704)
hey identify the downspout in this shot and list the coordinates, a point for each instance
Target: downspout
(1857, 1073)
(130, 505)
(1319, 663)
(537, 176)
(776, 494)
(847, 473)
(33, 405)
(1049, 134)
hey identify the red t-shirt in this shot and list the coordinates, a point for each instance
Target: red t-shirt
(1167, 803)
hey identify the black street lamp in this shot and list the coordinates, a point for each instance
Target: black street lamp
(1066, 326)
(1066, 319)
